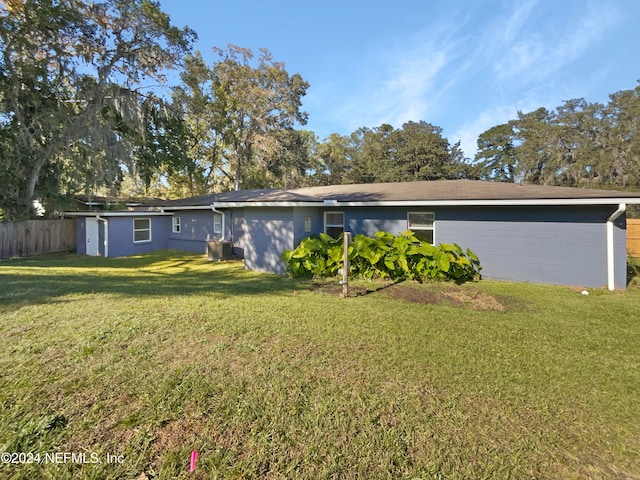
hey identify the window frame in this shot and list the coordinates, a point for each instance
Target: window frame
(217, 223)
(308, 224)
(176, 225)
(333, 225)
(148, 229)
(423, 227)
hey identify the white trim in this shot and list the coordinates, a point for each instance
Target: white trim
(333, 225)
(176, 224)
(193, 207)
(432, 228)
(146, 240)
(611, 284)
(219, 224)
(97, 213)
(436, 203)
(263, 204)
(106, 234)
(91, 242)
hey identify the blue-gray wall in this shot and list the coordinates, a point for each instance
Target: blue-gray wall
(81, 241)
(559, 245)
(262, 234)
(121, 242)
(196, 227)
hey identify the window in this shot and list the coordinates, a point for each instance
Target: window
(175, 224)
(422, 225)
(217, 223)
(141, 230)
(334, 223)
(307, 224)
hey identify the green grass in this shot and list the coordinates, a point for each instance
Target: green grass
(151, 357)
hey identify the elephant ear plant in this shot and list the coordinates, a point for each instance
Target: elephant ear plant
(384, 255)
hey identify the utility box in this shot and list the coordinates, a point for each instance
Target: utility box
(219, 251)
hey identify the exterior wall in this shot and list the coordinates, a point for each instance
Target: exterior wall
(237, 231)
(368, 221)
(266, 233)
(558, 245)
(81, 244)
(196, 227)
(299, 216)
(121, 236)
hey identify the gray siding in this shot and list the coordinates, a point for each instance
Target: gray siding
(368, 221)
(561, 245)
(558, 245)
(266, 233)
(196, 226)
(121, 236)
(317, 223)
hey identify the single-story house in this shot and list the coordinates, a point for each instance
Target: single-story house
(543, 234)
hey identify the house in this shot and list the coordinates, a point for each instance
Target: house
(531, 233)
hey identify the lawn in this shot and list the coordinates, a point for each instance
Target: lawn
(120, 368)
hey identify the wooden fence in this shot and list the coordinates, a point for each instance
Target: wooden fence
(37, 237)
(633, 237)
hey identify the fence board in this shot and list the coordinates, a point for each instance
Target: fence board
(633, 237)
(37, 237)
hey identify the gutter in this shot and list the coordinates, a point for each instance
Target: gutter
(213, 208)
(106, 234)
(610, 248)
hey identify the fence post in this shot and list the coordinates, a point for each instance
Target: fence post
(346, 240)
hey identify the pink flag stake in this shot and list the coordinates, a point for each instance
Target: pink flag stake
(192, 466)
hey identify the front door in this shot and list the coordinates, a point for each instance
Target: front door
(91, 233)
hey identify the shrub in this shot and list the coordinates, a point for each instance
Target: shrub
(385, 255)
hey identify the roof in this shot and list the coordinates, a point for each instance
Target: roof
(438, 192)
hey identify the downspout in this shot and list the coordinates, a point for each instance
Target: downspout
(610, 250)
(106, 234)
(213, 208)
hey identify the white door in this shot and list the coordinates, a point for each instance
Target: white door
(92, 237)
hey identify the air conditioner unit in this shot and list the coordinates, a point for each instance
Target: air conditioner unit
(219, 251)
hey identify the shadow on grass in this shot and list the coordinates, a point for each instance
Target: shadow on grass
(43, 279)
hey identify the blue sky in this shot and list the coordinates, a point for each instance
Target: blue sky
(462, 65)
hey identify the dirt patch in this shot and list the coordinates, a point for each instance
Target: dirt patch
(464, 296)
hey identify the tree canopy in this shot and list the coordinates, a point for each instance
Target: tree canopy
(81, 111)
(578, 144)
(69, 74)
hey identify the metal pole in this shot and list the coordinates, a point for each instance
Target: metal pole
(345, 264)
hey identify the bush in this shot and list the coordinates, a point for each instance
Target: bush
(385, 255)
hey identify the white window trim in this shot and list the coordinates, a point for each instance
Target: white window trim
(333, 224)
(176, 225)
(308, 224)
(431, 228)
(217, 223)
(146, 240)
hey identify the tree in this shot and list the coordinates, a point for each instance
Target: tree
(416, 151)
(622, 141)
(69, 71)
(496, 153)
(255, 103)
(333, 160)
(240, 114)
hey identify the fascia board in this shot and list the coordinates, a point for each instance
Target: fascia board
(489, 203)
(265, 204)
(440, 203)
(192, 207)
(116, 214)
